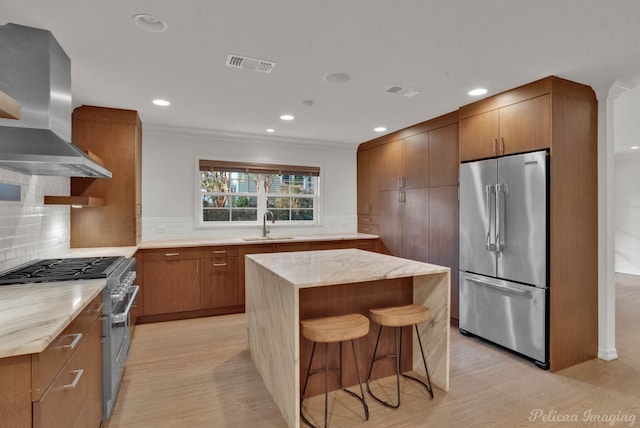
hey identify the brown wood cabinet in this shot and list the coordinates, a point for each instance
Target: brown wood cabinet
(191, 282)
(62, 385)
(559, 115)
(115, 136)
(219, 286)
(428, 161)
(171, 280)
(523, 126)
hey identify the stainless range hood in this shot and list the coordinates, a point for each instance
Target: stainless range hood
(36, 72)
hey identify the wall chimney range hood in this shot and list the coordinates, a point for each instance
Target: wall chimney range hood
(36, 72)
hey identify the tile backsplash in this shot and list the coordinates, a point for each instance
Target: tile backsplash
(29, 229)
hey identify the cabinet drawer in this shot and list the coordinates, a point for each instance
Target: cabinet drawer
(368, 219)
(163, 254)
(219, 252)
(63, 405)
(47, 364)
(372, 229)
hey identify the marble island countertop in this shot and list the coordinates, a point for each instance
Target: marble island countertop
(33, 315)
(329, 267)
(251, 240)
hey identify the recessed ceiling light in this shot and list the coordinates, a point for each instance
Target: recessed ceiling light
(271, 130)
(287, 117)
(160, 102)
(380, 129)
(150, 22)
(635, 147)
(337, 77)
(477, 91)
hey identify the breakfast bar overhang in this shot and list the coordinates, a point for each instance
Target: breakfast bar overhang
(282, 288)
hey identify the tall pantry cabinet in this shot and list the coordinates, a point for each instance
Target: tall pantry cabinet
(115, 136)
(560, 116)
(408, 193)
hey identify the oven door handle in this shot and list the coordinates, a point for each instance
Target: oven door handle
(122, 316)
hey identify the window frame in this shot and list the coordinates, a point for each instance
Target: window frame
(264, 169)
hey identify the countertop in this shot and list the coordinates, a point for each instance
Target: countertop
(33, 315)
(306, 269)
(252, 240)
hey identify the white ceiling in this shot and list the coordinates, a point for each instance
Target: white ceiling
(441, 48)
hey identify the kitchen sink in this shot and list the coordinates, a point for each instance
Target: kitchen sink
(266, 238)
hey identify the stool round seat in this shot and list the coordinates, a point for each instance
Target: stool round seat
(400, 316)
(335, 329)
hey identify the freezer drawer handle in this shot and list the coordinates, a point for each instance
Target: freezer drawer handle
(500, 287)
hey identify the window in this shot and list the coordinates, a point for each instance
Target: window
(237, 193)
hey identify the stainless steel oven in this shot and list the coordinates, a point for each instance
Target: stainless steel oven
(119, 298)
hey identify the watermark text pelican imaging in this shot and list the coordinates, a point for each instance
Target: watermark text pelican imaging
(611, 419)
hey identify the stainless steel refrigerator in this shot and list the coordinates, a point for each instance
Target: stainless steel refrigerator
(504, 254)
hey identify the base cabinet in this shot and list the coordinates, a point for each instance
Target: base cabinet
(171, 285)
(62, 385)
(219, 287)
(191, 282)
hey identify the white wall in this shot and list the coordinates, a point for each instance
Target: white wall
(627, 214)
(29, 229)
(626, 134)
(168, 171)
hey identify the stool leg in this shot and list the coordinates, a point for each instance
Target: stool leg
(326, 382)
(373, 360)
(304, 389)
(361, 396)
(424, 361)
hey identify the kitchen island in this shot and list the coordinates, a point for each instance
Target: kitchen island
(283, 288)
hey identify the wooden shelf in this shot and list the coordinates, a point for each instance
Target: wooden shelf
(85, 201)
(9, 108)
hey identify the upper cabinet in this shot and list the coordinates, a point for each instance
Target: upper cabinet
(515, 128)
(115, 136)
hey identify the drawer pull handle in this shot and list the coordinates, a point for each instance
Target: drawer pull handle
(219, 264)
(366, 229)
(73, 384)
(75, 341)
(171, 254)
(219, 251)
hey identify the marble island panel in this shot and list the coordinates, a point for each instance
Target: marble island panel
(281, 286)
(33, 315)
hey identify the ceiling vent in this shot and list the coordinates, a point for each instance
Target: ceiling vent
(253, 64)
(401, 90)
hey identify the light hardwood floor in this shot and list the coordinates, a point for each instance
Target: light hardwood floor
(198, 373)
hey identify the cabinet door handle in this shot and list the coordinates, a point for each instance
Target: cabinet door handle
(495, 146)
(74, 343)
(219, 264)
(171, 254)
(219, 251)
(76, 379)
(501, 145)
(402, 197)
(367, 229)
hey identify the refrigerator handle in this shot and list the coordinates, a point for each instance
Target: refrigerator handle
(501, 215)
(489, 191)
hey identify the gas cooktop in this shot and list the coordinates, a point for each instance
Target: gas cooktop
(65, 269)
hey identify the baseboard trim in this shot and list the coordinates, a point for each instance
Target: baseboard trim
(608, 354)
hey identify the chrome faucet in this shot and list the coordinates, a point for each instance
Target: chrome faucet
(265, 229)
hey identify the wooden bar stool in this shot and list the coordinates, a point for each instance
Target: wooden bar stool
(329, 330)
(398, 317)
